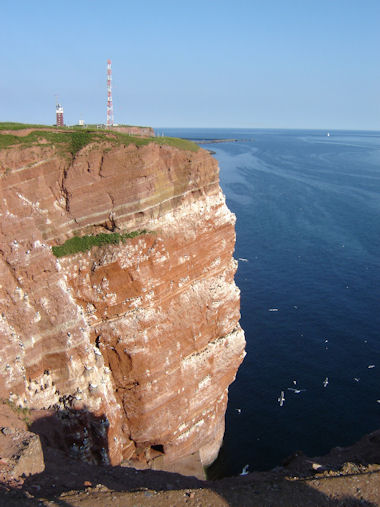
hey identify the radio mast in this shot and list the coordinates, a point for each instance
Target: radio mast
(109, 95)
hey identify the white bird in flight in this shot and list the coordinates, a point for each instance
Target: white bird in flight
(245, 470)
(296, 391)
(325, 382)
(281, 399)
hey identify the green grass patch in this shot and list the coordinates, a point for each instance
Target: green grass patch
(69, 141)
(11, 125)
(79, 140)
(182, 144)
(73, 139)
(83, 243)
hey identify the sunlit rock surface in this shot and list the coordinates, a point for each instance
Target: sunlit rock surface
(131, 346)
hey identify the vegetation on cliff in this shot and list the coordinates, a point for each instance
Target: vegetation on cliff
(71, 139)
(84, 243)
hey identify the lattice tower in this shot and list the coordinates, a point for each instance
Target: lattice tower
(109, 95)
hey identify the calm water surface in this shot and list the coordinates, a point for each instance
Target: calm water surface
(308, 227)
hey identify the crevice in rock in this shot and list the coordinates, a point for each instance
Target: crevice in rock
(66, 194)
(101, 167)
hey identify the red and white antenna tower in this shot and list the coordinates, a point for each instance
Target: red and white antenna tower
(109, 95)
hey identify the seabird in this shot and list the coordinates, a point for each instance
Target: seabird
(325, 382)
(281, 399)
(371, 366)
(245, 470)
(238, 410)
(243, 259)
(356, 379)
(296, 391)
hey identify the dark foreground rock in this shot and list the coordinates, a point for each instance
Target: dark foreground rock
(345, 477)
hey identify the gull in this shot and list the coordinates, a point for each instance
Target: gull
(356, 379)
(326, 341)
(273, 310)
(238, 410)
(371, 366)
(281, 399)
(245, 470)
(325, 382)
(243, 259)
(295, 382)
(296, 391)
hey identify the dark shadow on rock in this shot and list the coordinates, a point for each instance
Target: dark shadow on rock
(68, 434)
(78, 433)
(267, 489)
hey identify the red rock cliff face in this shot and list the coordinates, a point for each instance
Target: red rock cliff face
(132, 345)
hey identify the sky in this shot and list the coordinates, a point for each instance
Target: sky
(199, 63)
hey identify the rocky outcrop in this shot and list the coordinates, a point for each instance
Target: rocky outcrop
(134, 131)
(128, 348)
(21, 453)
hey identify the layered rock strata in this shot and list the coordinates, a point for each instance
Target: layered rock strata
(128, 349)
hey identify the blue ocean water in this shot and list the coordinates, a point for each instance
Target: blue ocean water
(308, 225)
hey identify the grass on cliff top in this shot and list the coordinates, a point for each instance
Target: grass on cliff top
(181, 144)
(11, 125)
(71, 140)
(84, 243)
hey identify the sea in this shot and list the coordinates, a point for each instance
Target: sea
(307, 204)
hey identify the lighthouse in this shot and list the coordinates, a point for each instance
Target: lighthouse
(59, 115)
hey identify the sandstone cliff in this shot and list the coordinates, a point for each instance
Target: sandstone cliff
(129, 348)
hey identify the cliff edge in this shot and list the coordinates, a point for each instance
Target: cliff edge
(121, 348)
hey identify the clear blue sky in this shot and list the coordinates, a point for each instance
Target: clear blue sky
(199, 63)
